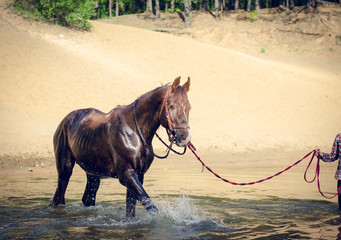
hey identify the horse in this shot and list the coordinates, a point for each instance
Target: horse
(119, 144)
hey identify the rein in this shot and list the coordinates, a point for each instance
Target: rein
(169, 148)
(316, 177)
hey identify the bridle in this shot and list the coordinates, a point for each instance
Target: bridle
(170, 130)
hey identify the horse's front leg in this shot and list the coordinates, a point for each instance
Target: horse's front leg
(136, 191)
(130, 203)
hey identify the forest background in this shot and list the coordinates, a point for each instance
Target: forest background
(75, 13)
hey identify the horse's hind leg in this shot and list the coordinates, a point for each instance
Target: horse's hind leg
(65, 163)
(91, 188)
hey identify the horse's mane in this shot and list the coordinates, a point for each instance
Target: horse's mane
(147, 94)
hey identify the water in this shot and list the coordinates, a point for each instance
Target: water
(192, 205)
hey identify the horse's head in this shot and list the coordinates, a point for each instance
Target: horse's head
(174, 115)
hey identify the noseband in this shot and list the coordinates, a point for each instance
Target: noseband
(170, 131)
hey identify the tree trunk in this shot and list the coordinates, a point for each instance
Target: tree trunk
(226, 5)
(117, 8)
(291, 4)
(188, 8)
(204, 5)
(217, 7)
(172, 5)
(157, 8)
(110, 8)
(166, 6)
(248, 8)
(257, 7)
(149, 6)
(236, 5)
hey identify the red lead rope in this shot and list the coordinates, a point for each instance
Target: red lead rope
(316, 177)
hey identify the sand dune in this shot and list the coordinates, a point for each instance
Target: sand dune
(240, 103)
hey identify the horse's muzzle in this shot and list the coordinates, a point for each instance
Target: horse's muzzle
(182, 137)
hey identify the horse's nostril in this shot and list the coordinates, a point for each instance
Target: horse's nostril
(181, 137)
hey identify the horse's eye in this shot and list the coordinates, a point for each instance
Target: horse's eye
(172, 107)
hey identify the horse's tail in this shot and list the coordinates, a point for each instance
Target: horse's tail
(64, 161)
(60, 138)
(62, 149)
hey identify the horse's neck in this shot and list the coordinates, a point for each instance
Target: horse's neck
(147, 113)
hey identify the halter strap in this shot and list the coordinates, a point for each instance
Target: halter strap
(171, 127)
(145, 142)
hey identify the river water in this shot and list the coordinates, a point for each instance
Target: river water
(192, 204)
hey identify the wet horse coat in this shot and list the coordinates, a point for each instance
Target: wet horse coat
(109, 145)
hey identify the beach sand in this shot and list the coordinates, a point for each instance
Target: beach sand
(273, 107)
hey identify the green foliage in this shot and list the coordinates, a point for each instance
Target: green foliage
(103, 10)
(75, 13)
(72, 13)
(253, 16)
(262, 50)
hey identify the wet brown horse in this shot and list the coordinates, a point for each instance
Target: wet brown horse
(119, 144)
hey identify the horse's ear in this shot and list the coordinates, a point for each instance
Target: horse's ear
(187, 84)
(175, 84)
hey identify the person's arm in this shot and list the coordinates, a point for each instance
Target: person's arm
(334, 155)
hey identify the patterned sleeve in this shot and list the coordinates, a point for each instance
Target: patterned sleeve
(334, 155)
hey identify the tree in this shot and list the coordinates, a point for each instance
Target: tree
(236, 5)
(257, 7)
(248, 8)
(312, 6)
(74, 13)
(217, 8)
(172, 5)
(117, 8)
(204, 5)
(188, 8)
(291, 4)
(149, 6)
(157, 8)
(64, 12)
(110, 8)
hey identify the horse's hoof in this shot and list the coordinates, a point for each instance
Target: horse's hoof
(152, 210)
(54, 205)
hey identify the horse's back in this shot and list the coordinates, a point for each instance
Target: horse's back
(69, 124)
(85, 133)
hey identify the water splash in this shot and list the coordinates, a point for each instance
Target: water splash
(175, 212)
(182, 217)
(180, 210)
